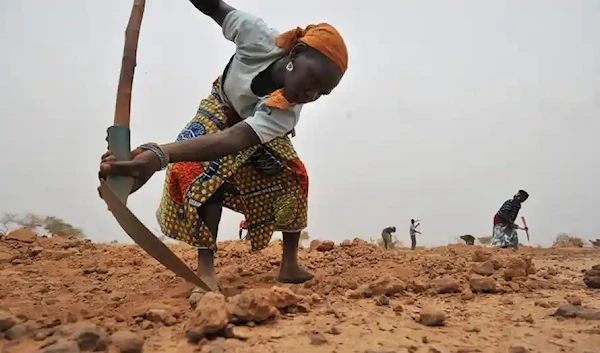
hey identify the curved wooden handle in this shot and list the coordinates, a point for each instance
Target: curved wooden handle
(116, 189)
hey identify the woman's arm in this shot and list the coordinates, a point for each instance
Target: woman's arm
(211, 147)
(216, 9)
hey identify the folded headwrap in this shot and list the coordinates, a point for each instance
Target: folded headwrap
(322, 37)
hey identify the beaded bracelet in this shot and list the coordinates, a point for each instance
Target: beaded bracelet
(162, 155)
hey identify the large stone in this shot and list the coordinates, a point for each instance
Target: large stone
(518, 267)
(467, 294)
(388, 285)
(576, 311)
(158, 315)
(484, 269)
(210, 315)
(284, 298)
(432, 317)
(25, 235)
(480, 256)
(326, 245)
(20, 331)
(417, 286)
(255, 305)
(89, 336)
(127, 342)
(591, 277)
(445, 285)
(482, 284)
(7, 320)
(314, 244)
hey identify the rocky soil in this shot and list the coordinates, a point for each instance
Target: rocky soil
(62, 295)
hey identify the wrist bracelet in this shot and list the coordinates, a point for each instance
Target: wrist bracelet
(160, 153)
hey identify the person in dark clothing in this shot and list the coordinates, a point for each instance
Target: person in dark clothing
(386, 234)
(504, 233)
(468, 239)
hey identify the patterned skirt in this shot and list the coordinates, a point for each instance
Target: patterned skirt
(504, 236)
(266, 183)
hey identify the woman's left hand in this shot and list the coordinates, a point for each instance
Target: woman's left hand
(142, 166)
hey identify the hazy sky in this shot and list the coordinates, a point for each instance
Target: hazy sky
(447, 108)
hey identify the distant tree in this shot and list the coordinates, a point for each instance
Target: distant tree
(564, 240)
(52, 225)
(114, 242)
(6, 221)
(58, 227)
(30, 220)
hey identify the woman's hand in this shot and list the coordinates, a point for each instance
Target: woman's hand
(142, 166)
(216, 9)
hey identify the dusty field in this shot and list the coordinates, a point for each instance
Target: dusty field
(67, 296)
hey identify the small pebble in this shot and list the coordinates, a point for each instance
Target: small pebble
(334, 330)
(317, 338)
(517, 349)
(432, 317)
(573, 300)
(383, 300)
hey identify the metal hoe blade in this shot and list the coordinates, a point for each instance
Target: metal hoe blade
(146, 240)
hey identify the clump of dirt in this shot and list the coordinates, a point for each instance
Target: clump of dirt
(71, 295)
(591, 277)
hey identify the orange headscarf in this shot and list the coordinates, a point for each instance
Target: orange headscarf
(322, 37)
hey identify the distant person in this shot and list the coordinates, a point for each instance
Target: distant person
(386, 234)
(243, 226)
(505, 234)
(468, 239)
(413, 233)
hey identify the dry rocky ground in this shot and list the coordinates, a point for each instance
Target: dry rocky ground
(62, 295)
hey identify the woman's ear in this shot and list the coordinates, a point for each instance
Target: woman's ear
(297, 50)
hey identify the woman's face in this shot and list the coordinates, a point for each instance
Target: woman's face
(312, 76)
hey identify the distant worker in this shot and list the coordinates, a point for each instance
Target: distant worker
(413, 233)
(386, 234)
(505, 234)
(243, 226)
(468, 238)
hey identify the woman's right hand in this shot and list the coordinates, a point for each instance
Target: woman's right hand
(142, 166)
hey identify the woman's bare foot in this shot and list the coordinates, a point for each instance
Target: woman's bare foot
(195, 297)
(291, 271)
(294, 274)
(198, 293)
(206, 271)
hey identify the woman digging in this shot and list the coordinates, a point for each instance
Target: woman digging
(236, 151)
